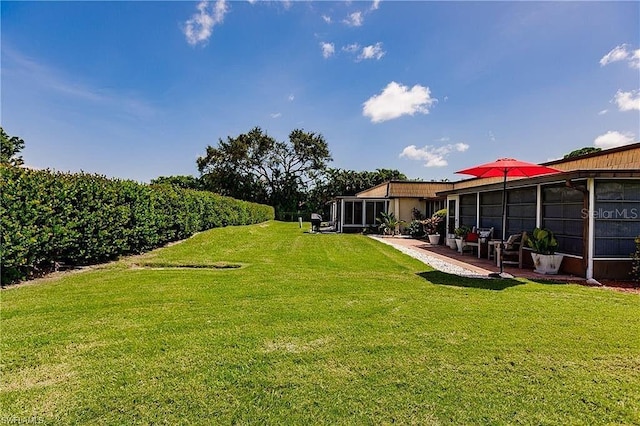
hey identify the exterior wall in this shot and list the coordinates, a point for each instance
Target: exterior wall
(406, 209)
(573, 266)
(612, 269)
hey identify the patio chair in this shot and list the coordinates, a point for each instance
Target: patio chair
(475, 239)
(513, 249)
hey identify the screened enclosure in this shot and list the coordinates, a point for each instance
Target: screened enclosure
(616, 217)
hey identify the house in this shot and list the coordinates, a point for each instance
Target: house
(359, 212)
(593, 207)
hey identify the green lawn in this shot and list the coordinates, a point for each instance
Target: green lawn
(312, 329)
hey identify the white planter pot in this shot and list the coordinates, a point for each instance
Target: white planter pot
(547, 264)
(451, 242)
(459, 244)
(434, 239)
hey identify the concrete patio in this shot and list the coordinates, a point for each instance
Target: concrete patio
(470, 261)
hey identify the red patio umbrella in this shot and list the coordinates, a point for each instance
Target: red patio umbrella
(507, 167)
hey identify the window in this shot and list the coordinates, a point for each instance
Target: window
(451, 220)
(468, 209)
(521, 210)
(562, 213)
(372, 211)
(348, 212)
(616, 217)
(491, 212)
(434, 205)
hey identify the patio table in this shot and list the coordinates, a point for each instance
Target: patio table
(493, 249)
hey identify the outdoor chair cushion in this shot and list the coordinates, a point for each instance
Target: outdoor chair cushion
(485, 234)
(513, 240)
(472, 237)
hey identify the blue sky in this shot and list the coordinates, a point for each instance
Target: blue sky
(139, 89)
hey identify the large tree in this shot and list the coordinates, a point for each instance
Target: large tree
(254, 166)
(10, 147)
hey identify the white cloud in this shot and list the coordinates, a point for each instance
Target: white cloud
(634, 60)
(354, 19)
(492, 136)
(622, 53)
(397, 100)
(351, 48)
(276, 115)
(433, 156)
(603, 112)
(326, 19)
(375, 5)
(199, 27)
(291, 97)
(616, 54)
(628, 101)
(328, 49)
(612, 139)
(372, 52)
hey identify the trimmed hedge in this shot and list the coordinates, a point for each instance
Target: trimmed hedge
(50, 218)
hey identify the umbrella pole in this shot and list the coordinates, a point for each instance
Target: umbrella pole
(504, 218)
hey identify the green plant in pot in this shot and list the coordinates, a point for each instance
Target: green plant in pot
(461, 233)
(389, 223)
(544, 256)
(431, 226)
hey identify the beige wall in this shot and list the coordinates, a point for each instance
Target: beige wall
(406, 208)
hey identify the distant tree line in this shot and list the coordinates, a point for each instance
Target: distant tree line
(291, 176)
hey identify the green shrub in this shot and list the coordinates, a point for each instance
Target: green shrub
(50, 218)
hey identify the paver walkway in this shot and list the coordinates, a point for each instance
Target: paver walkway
(469, 262)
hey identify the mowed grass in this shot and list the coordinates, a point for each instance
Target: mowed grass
(312, 329)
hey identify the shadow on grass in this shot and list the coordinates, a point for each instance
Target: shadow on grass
(442, 278)
(547, 281)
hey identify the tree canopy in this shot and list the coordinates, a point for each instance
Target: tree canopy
(10, 147)
(582, 151)
(254, 166)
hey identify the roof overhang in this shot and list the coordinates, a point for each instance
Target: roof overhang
(556, 177)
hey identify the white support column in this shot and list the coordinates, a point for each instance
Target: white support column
(538, 206)
(397, 208)
(341, 215)
(478, 212)
(364, 212)
(591, 231)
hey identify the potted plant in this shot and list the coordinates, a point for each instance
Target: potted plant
(389, 223)
(431, 228)
(544, 244)
(461, 233)
(451, 241)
